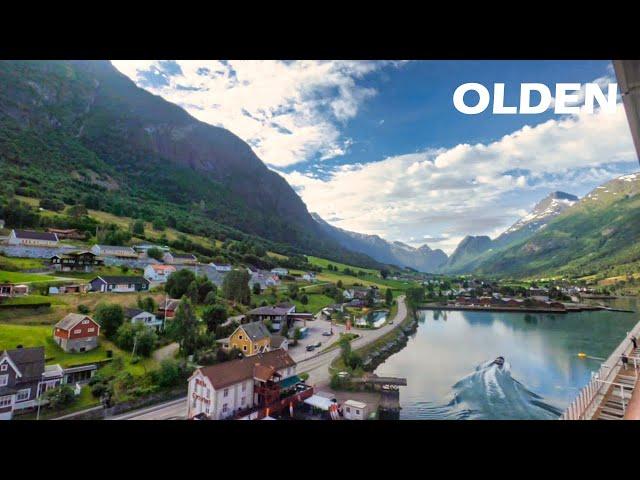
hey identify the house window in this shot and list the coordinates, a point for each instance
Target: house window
(348, 409)
(4, 380)
(208, 393)
(5, 401)
(91, 330)
(244, 347)
(242, 402)
(78, 331)
(3, 367)
(357, 412)
(239, 337)
(23, 395)
(84, 322)
(225, 408)
(226, 392)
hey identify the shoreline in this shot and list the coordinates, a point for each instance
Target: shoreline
(568, 309)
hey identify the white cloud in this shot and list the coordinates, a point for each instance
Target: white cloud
(446, 194)
(289, 112)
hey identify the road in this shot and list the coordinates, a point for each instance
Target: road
(317, 367)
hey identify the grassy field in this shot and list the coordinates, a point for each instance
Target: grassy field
(34, 300)
(324, 263)
(18, 277)
(13, 264)
(68, 303)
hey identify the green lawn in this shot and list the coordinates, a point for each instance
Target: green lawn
(18, 277)
(317, 302)
(34, 300)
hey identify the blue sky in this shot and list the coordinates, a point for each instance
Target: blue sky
(378, 147)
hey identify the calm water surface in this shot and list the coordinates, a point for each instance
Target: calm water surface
(449, 366)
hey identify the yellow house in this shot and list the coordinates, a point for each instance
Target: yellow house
(250, 339)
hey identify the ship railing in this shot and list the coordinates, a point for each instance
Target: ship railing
(585, 405)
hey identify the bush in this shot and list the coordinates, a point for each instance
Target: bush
(170, 373)
(109, 317)
(142, 337)
(178, 283)
(83, 309)
(155, 253)
(59, 397)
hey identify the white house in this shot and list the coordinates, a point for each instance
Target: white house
(158, 273)
(136, 315)
(32, 239)
(221, 268)
(280, 271)
(309, 277)
(353, 410)
(113, 251)
(222, 390)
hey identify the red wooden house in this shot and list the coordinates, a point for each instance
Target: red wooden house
(76, 333)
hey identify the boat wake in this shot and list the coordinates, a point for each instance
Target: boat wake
(489, 393)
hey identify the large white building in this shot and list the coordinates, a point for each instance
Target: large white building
(158, 272)
(32, 239)
(220, 391)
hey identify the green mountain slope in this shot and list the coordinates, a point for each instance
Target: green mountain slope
(601, 232)
(81, 132)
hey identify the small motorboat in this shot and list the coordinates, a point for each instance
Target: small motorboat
(499, 361)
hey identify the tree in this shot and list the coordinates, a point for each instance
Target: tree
(339, 284)
(304, 300)
(203, 287)
(170, 373)
(155, 253)
(129, 335)
(293, 291)
(178, 282)
(184, 327)
(370, 298)
(256, 289)
(415, 296)
(388, 297)
(138, 228)
(236, 286)
(109, 317)
(147, 304)
(384, 273)
(214, 315)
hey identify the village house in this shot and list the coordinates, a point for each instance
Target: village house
(167, 309)
(76, 333)
(29, 238)
(12, 290)
(309, 277)
(23, 377)
(76, 288)
(279, 341)
(137, 315)
(179, 258)
(221, 268)
(280, 271)
(355, 293)
(238, 387)
(114, 251)
(158, 273)
(250, 339)
(354, 410)
(69, 233)
(276, 314)
(81, 261)
(119, 284)
(264, 279)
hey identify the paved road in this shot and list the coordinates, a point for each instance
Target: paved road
(317, 367)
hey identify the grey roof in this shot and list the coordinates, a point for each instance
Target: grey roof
(113, 280)
(256, 330)
(132, 312)
(30, 362)
(51, 237)
(71, 320)
(277, 341)
(268, 311)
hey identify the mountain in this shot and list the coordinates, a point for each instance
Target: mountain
(597, 234)
(80, 131)
(467, 252)
(473, 250)
(395, 253)
(546, 209)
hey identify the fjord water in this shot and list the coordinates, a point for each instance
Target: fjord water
(450, 372)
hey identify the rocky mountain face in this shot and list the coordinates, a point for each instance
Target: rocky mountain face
(395, 253)
(467, 251)
(83, 128)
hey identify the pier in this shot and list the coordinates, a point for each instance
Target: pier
(389, 388)
(611, 394)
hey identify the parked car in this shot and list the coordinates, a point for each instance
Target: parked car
(327, 334)
(317, 345)
(311, 348)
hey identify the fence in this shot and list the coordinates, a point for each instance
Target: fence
(585, 405)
